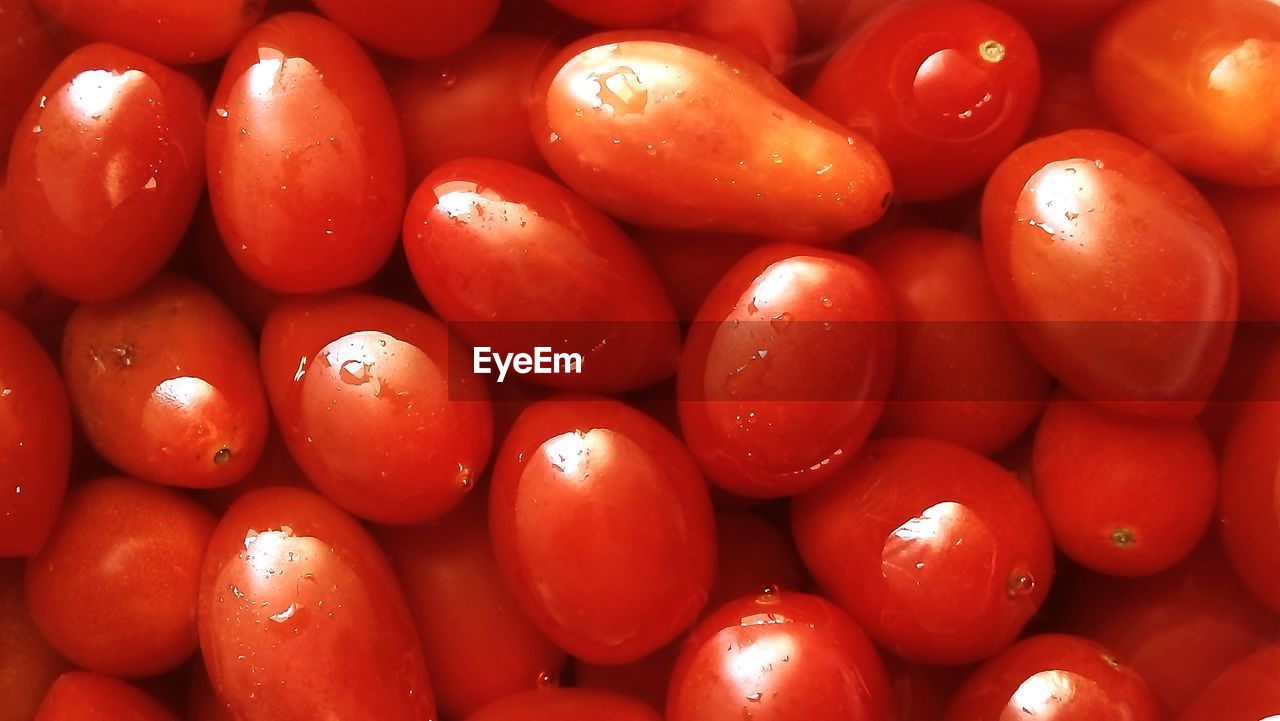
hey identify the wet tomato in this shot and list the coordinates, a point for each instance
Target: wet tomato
(28, 664)
(561, 704)
(412, 28)
(1247, 691)
(170, 32)
(82, 696)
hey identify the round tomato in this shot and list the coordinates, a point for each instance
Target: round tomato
(81, 696)
(412, 28)
(181, 32)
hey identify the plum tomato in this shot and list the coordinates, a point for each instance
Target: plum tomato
(956, 83)
(35, 441)
(622, 13)
(564, 704)
(301, 616)
(28, 664)
(779, 656)
(412, 28)
(26, 57)
(786, 369)
(690, 264)
(478, 644)
(1248, 691)
(884, 538)
(171, 32)
(84, 696)
(667, 130)
(602, 527)
(306, 164)
(361, 388)
(1053, 676)
(514, 261)
(114, 590)
(961, 375)
(1251, 217)
(763, 30)
(1198, 81)
(1117, 273)
(105, 171)
(753, 554)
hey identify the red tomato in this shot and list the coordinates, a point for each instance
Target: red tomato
(412, 28)
(1119, 275)
(28, 664)
(962, 375)
(1251, 217)
(565, 704)
(647, 679)
(690, 264)
(306, 165)
(35, 441)
(1053, 676)
(172, 32)
(667, 130)
(823, 22)
(106, 169)
(779, 656)
(26, 57)
(515, 261)
(478, 643)
(301, 616)
(361, 389)
(1067, 99)
(622, 13)
(956, 83)
(202, 703)
(81, 696)
(754, 555)
(17, 284)
(922, 692)
(115, 588)
(215, 267)
(579, 467)
(884, 538)
(763, 30)
(1058, 19)
(1248, 691)
(1198, 81)
(786, 369)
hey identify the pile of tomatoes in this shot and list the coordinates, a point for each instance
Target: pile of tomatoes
(928, 367)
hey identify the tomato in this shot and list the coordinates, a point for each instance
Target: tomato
(922, 692)
(763, 30)
(785, 369)
(306, 165)
(753, 555)
(167, 31)
(779, 656)
(81, 696)
(884, 539)
(115, 588)
(591, 468)
(484, 236)
(17, 284)
(216, 269)
(1247, 691)
(35, 441)
(1118, 274)
(1067, 98)
(622, 13)
(647, 679)
(28, 664)
(1198, 81)
(962, 375)
(960, 83)
(478, 643)
(1053, 676)
(105, 171)
(667, 130)
(690, 264)
(1251, 217)
(361, 389)
(412, 28)
(301, 616)
(1057, 20)
(561, 704)
(26, 57)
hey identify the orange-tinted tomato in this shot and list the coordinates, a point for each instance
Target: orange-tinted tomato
(1247, 691)
(763, 30)
(172, 32)
(412, 28)
(752, 555)
(105, 171)
(622, 13)
(564, 704)
(668, 130)
(306, 165)
(27, 54)
(82, 696)
(28, 664)
(1251, 217)
(301, 617)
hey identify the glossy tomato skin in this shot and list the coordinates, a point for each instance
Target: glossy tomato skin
(478, 643)
(785, 369)
(85, 696)
(165, 384)
(961, 374)
(301, 616)
(169, 32)
(1251, 216)
(667, 130)
(582, 467)
(515, 260)
(1053, 676)
(26, 57)
(882, 536)
(1116, 271)
(361, 389)
(763, 30)
(28, 664)
(308, 198)
(412, 28)
(622, 13)
(105, 170)
(753, 555)
(779, 656)
(960, 83)
(559, 704)
(115, 588)
(1198, 81)
(1248, 690)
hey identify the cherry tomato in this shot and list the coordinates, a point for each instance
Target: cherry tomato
(412, 28)
(1247, 691)
(962, 375)
(562, 704)
(82, 696)
(667, 130)
(591, 468)
(478, 643)
(115, 588)
(647, 679)
(1056, 20)
(1198, 81)
(1251, 217)
(763, 30)
(775, 657)
(884, 539)
(957, 83)
(306, 165)
(483, 238)
(1118, 274)
(622, 13)
(1053, 676)
(361, 389)
(786, 369)
(28, 664)
(753, 555)
(35, 441)
(26, 57)
(301, 616)
(105, 171)
(167, 31)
